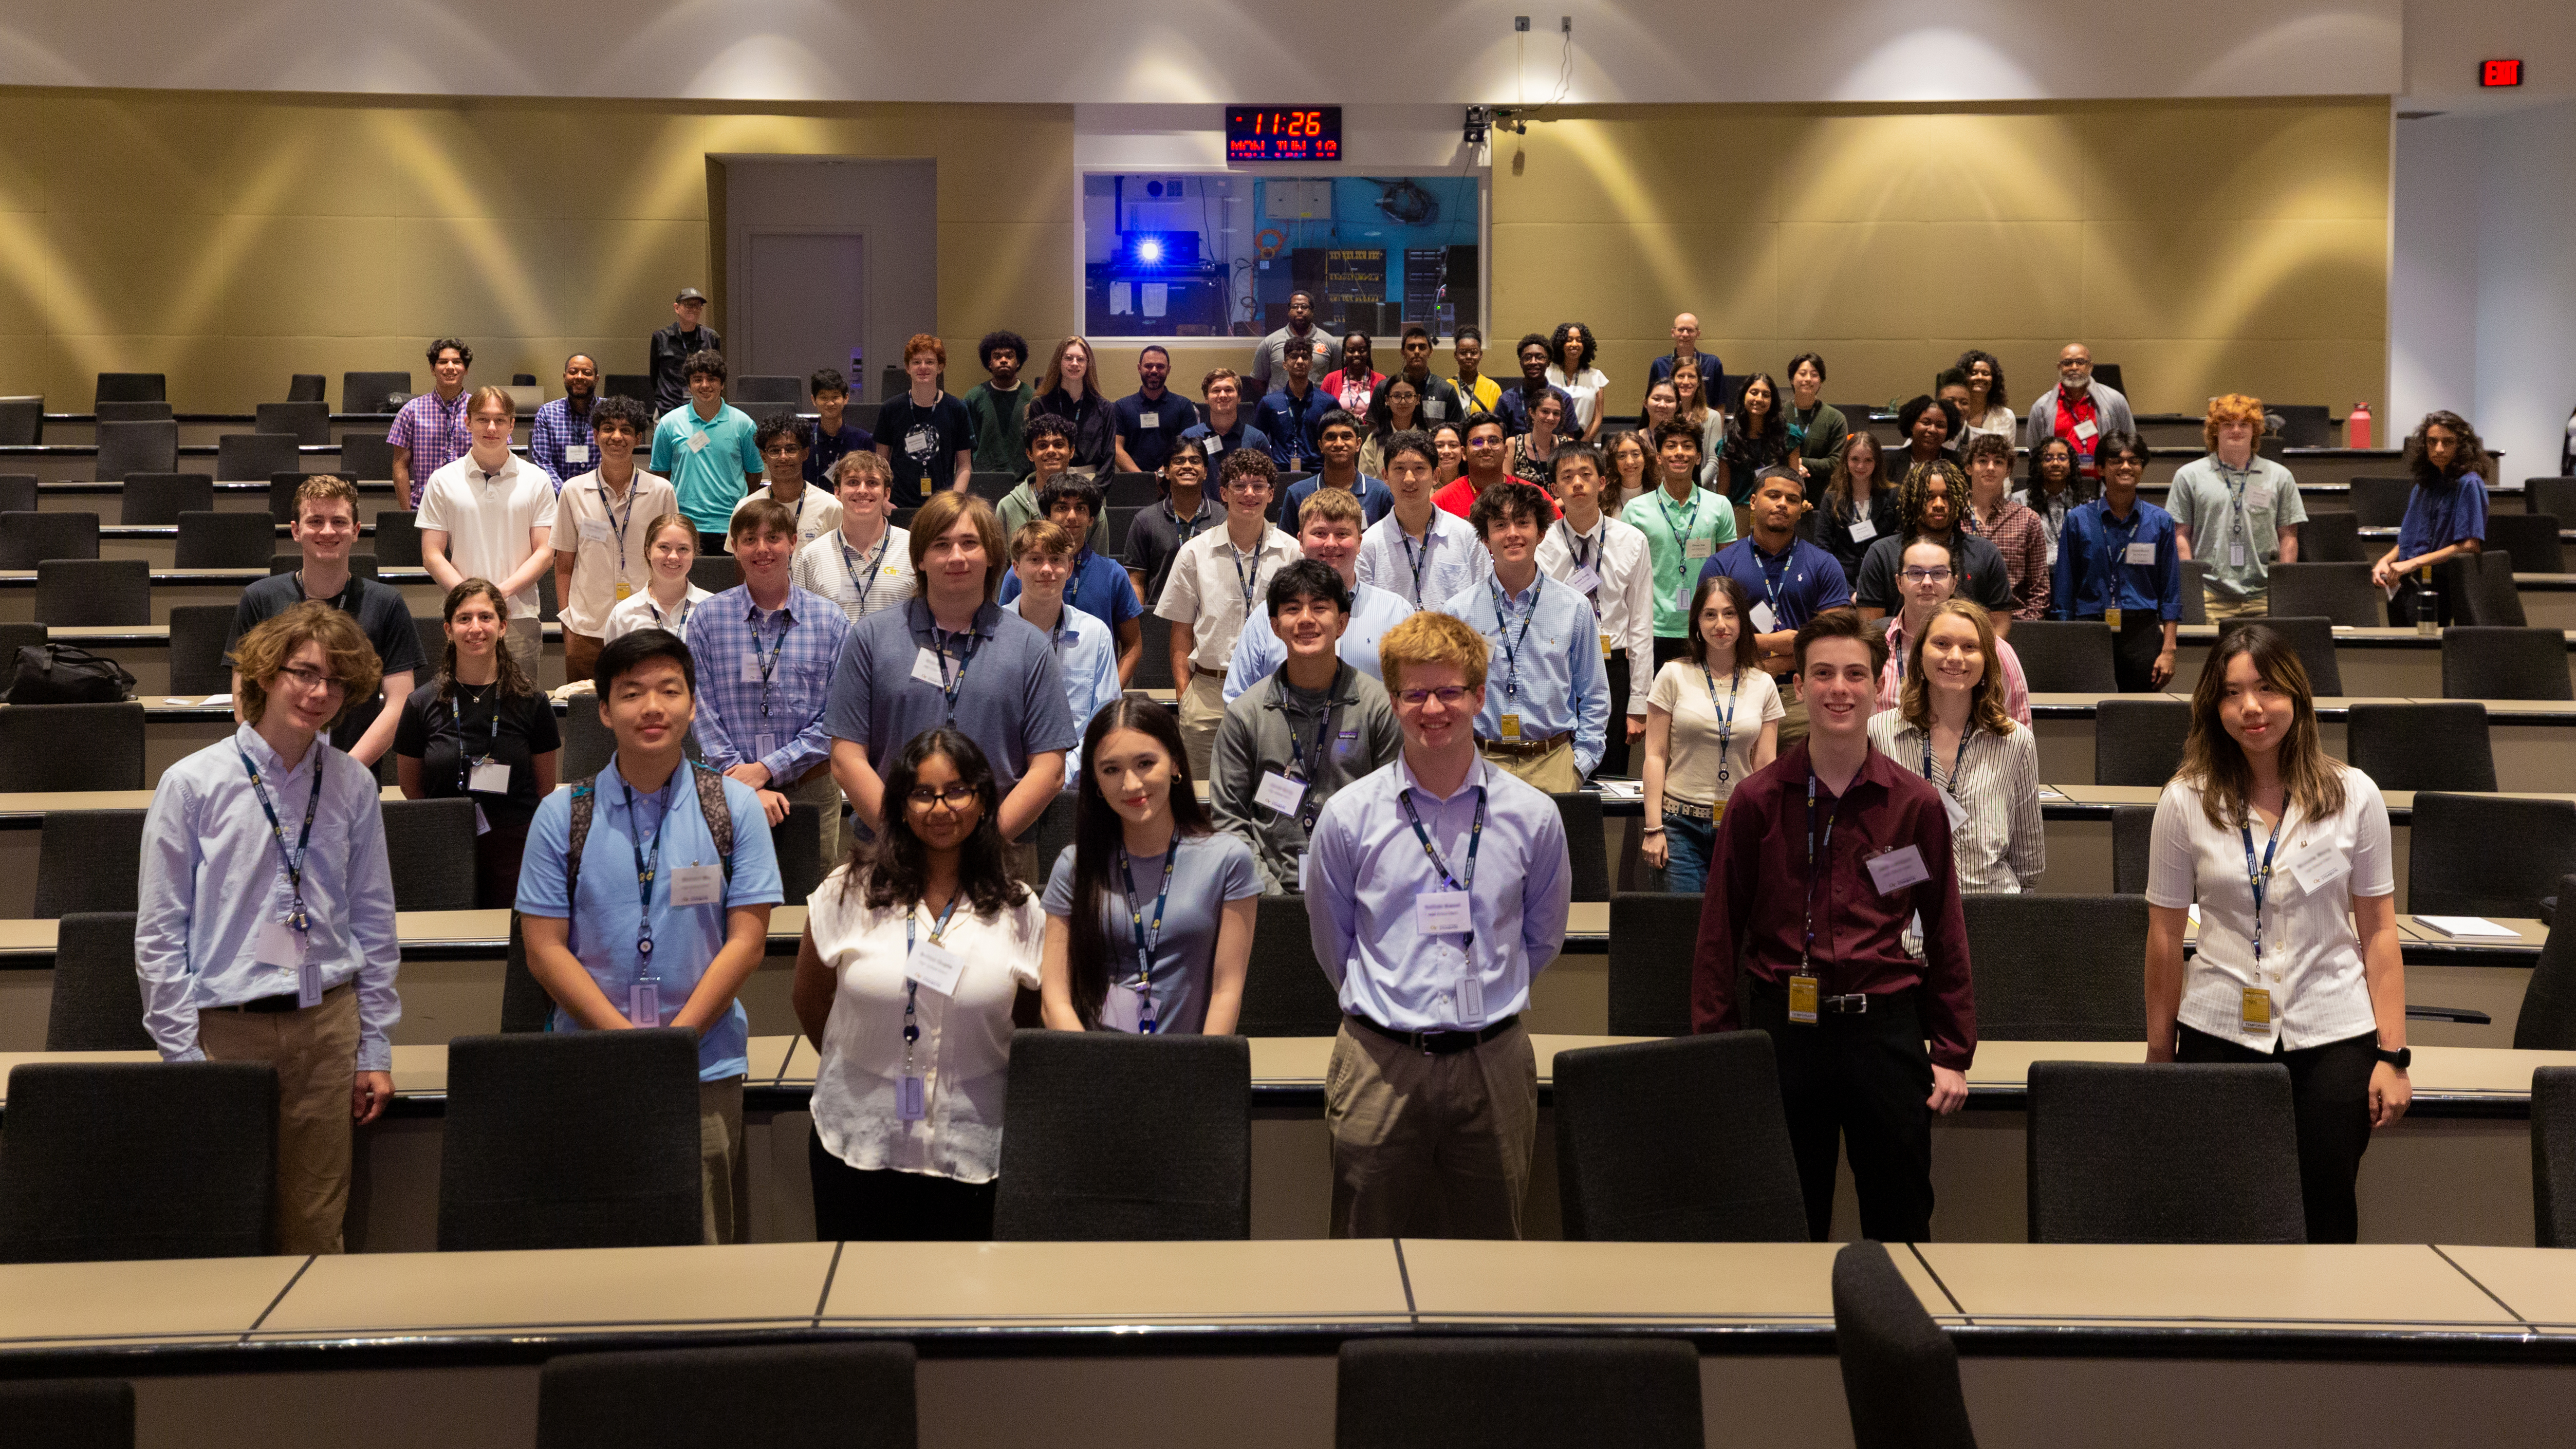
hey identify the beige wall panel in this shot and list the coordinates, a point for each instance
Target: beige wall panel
(2332, 373)
(1957, 166)
(1705, 164)
(2189, 163)
(1855, 280)
(2002, 278)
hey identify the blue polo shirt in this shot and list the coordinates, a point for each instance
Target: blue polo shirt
(607, 919)
(1376, 500)
(1244, 434)
(1099, 587)
(1290, 425)
(1514, 410)
(711, 477)
(1798, 584)
(2093, 572)
(1150, 444)
(1011, 702)
(2438, 518)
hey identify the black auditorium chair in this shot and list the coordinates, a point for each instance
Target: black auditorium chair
(991, 487)
(120, 387)
(2058, 968)
(2139, 741)
(73, 593)
(636, 385)
(1674, 1141)
(1652, 936)
(587, 743)
(367, 458)
(2488, 855)
(2195, 600)
(368, 392)
(97, 1003)
(1154, 667)
(430, 846)
(88, 860)
(307, 387)
(1284, 992)
(2532, 540)
(2433, 746)
(571, 1140)
(18, 493)
(1586, 842)
(2547, 1020)
(2505, 663)
(757, 388)
(2065, 657)
(71, 747)
(715, 572)
(1119, 521)
(2310, 637)
(2137, 1152)
(14, 637)
(1080, 1163)
(1049, 834)
(162, 497)
(851, 1394)
(282, 488)
(2482, 589)
(797, 842)
(1900, 1371)
(760, 413)
(2549, 495)
(2331, 538)
(2133, 834)
(433, 644)
(224, 540)
(69, 1413)
(1134, 490)
(525, 1006)
(22, 421)
(83, 1136)
(28, 538)
(2339, 592)
(308, 423)
(2380, 502)
(249, 457)
(134, 412)
(2553, 1157)
(1523, 1392)
(397, 539)
(138, 447)
(2306, 425)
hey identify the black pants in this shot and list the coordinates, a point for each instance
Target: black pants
(2134, 648)
(2330, 1099)
(854, 1206)
(1861, 1082)
(1614, 744)
(2406, 607)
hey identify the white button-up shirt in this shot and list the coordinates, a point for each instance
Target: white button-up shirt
(1616, 550)
(605, 534)
(1448, 558)
(1207, 590)
(831, 566)
(487, 518)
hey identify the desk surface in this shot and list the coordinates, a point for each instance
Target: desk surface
(2379, 1287)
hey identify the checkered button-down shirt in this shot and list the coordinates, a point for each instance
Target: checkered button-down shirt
(731, 638)
(436, 434)
(555, 429)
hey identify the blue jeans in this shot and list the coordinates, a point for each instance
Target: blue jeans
(1688, 845)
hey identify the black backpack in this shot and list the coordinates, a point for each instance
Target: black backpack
(68, 674)
(711, 805)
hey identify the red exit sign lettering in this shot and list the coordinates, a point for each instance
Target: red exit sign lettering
(2500, 73)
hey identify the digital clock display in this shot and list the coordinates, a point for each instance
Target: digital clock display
(1283, 133)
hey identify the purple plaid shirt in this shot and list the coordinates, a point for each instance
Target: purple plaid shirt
(736, 709)
(436, 434)
(554, 430)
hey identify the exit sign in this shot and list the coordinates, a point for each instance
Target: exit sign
(2500, 73)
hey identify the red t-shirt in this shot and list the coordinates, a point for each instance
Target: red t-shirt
(2072, 411)
(1459, 495)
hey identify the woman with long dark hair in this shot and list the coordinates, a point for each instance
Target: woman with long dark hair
(1988, 408)
(2446, 514)
(916, 950)
(1860, 503)
(1570, 350)
(1071, 390)
(2054, 487)
(1150, 910)
(483, 731)
(1757, 437)
(1696, 757)
(1395, 407)
(2287, 854)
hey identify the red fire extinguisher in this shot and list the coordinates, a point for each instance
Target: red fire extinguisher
(2356, 427)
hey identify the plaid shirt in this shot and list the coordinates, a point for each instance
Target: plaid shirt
(736, 709)
(554, 430)
(436, 434)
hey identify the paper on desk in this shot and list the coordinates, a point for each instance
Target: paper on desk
(2193, 911)
(219, 699)
(2046, 793)
(1623, 789)
(2478, 926)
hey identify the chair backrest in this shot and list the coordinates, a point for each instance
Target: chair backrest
(1586, 843)
(2547, 1021)
(1679, 1140)
(308, 423)
(2139, 741)
(136, 447)
(70, 1413)
(1284, 992)
(2133, 836)
(2306, 425)
(2137, 1152)
(93, 592)
(2331, 538)
(132, 387)
(2487, 855)
(249, 457)
(525, 395)
(71, 747)
(2311, 638)
(636, 385)
(2481, 589)
(582, 1139)
(123, 1160)
(18, 493)
(133, 412)
(2058, 968)
(29, 538)
(210, 539)
(715, 572)
(398, 539)
(367, 392)
(1119, 521)
(1518, 1393)
(2488, 662)
(2532, 539)
(282, 488)
(2553, 1157)
(1900, 1371)
(2065, 657)
(2380, 502)
(22, 421)
(97, 1003)
(525, 1006)
(1154, 669)
(307, 387)
(2431, 746)
(764, 413)
(433, 648)
(2340, 592)
(162, 497)
(88, 860)
(992, 486)
(366, 457)
(587, 743)
(756, 388)
(2550, 495)
(797, 842)
(2195, 602)
(1080, 1163)
(1132, 490)
(1049, 835)
(362, 564)
(1652, 936)
(845, 1395)
(430, 845)
(14, 637)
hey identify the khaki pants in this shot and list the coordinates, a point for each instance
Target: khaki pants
(1793, 720)
(1202, 710)
(526, 641)
(1552, 771)
(1430, 1146)
(724, 1178)
(315, 1052)
(824, 794)
(581, 655)
(2253, 608)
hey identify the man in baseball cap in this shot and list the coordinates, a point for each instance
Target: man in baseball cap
(673, 344)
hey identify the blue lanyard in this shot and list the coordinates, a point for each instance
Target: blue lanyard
(1807, 953)
(620, 523)
(1680, 531)
(1475, 838)
(293, 859)
(865, 580)
(2120, 550)
(768, 666)
(949, 692)
(2259, 879)
(647, 868)
(1725, 717)
(465, 761)
(2237, 482)
(912, 987)
(1956, 761)
(1503, 632)
(1136, 919)
(1771, 584)
(1250, 578)
(1430, 536)
(1297, 753)
(675, 626)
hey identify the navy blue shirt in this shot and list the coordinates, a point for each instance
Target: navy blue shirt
(2093, 571)
(822, 450)
(1147, 447)
(1290, 426)
(2438, 518)
(1376, 499)
(1515, 405)
(1797, 585)
(1098, 586)
(1242, 435)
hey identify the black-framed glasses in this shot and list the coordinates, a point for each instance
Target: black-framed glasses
(957, 796)
(310, 680)
(1448, 694)
(1927, 576)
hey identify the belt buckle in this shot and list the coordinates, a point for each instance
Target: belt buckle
(1845, 1005)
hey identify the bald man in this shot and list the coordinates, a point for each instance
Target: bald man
(2078, 409)
(1685, 345)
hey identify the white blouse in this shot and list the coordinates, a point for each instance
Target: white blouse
(965, 1046)
(1998, 844)
(2312, 961)
(1585, 388)
(638, 611)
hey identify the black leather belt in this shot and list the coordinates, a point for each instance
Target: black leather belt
(1438, 1043)
(274, 1005)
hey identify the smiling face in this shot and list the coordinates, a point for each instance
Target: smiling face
(1952, 657)
(862, 493)
(2256, 711)
(706, 390)
(1186, 468)
(673, 553)
(581, 376)
(1223, 396)
(765, 555)
(1685, 333)
(1135, 775)
(1679, 456)
(956, 558)
(1452, 450)
(2075, 366)
(1154, 369)
(1570, 356)
(475, 627)
(1840, 688)
(1470, 353)
(1511, 537)
(324, 528)
(1546, 414)
(492, 427)
(1050, 454)
(1431, 723)
(1408, 476)
(449, 369)
(1758, 399)
(306, 689)
(1485, 449)
(1662, 404)
(2056, 463)
(1534, 362)
(1931, 430)
(1355, 356)
(1981, 378)
(1042, 574)
(1340, 445)
(1309, 626)
(616, 439)
(1719, 625)
(923, 368)
(1333, 542)
(1987, 475)
(1073, 365)
(1403, 400)
(649, 708)
(1805, 382)
(940, 810)
(783, 459)
(1628, 460)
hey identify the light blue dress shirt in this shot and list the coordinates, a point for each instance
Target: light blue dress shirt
(1561, 684)
(212, 876)
(605, 921)
(806, 634)
(1449, 558)
(1258, 652)
(1368, 866)
(1086, 653)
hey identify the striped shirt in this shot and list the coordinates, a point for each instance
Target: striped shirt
(824, 567)
(777, 722)
(1999, 848)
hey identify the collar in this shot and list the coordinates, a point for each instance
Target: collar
(509, 467)
(1063, 616)
(678, 773)
(1538, 583)
(272, 769)
(1342, 690)
(1477, 773)
(1600, 527)
(2070, 399)
(1876, 769)
(752, 611)
(1759, 551)
(988, 617)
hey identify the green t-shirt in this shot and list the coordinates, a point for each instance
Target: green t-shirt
(995, 417)
(1680, 540)
(2235, 521)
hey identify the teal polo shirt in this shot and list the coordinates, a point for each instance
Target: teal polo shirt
(713, 477)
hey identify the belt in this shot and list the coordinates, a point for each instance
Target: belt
(1705, 814)
(1201, 671)
(275, 1005)
(821, 767)
(1851, 1004)
(1438, 1043)
(1525, 748)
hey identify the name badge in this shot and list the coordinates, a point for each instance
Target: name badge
(2255, 1010)
(911, 1099)
(1471, 1001)
(2086, 431)
(1442, 913)
(1436, 408)
(595, 529)
(749, 673)
(697, 442)
(2235, 555)
(925, 667)
(697, 885)
(1862, 530)
(1764, 621)
(2320, 868)
(1279, 792)
(1300, 872)
(279, 944)
(1511, 726)
(936, 967)
(1696, 548)
(576, 452)
(2052, 553)
(308, 984)
(2139, 553)
(490, 777)
(764, 746)
(1802, 999)
(1212, 445)
(1149, 422)
(1609, 645)
(920, 441)
(1585, 581)
(1893, 870)
(624, 590)
(2111, 616)
(644, 1004)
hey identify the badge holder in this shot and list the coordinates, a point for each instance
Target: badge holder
(2255, 1010)
(1802, 999)
(644, 1000)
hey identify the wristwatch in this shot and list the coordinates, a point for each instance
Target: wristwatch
(2401, 1059)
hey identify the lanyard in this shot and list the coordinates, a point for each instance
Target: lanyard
(2120, 550)
(673, 625)
(1306, 770)
(1807, 953)
(2258, 879)
(963, 660)
(769, 665)
(1956, 760)
(2237, 481)
(466, 759)
(1136, 919)
(1187, 527)
(620, 521)
(1248, 578)
(912, 985)
(1679, 530)
(1725, 717)
(647, 868)
(864, 580)
(1430, 536)
(1475, 838)
(1503, 632)
(294, 859)
(1772, 583)
(1576, 544)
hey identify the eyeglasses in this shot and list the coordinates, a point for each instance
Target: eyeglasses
(1927, 576)
(955, 797)
(1447, 694)
(311, 680)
